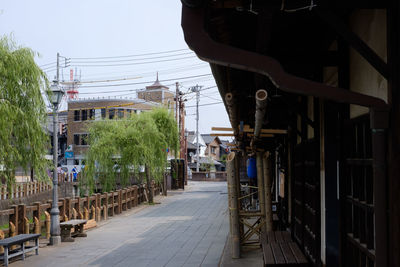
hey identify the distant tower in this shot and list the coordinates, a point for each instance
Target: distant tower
(157, 93)
(72, 85)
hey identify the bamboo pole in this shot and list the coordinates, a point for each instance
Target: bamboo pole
(267, 188)
(232, 112)
(261, 106)
(233, 205)
(260, 184)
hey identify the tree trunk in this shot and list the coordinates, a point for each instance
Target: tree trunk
(149, 185)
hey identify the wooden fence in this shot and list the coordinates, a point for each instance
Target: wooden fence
(20, 190)
(97, 206)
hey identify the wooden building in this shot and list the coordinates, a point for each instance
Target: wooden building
(331, 72)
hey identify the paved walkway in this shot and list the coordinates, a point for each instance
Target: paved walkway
(187, 229)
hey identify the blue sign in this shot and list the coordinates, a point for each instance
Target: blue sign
(69, 154)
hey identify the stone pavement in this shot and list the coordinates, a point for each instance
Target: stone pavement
(188, 228)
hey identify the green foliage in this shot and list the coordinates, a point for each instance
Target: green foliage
(23, 141)
(207, 166)
(123, 146)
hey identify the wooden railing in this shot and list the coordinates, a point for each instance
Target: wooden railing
(97, 206)
(20, 190)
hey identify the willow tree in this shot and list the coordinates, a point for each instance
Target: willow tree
(23, 141)
(125, 146)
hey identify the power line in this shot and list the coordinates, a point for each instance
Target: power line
(209, 104)
(137, 55)
(127, 60)
(166, 80)
(130, 64)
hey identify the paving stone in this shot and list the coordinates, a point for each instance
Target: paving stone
(187, 229)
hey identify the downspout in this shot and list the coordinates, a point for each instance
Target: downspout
(193, 21)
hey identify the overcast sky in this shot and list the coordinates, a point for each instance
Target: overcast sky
(84, 30)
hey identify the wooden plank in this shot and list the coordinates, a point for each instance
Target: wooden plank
(221, 134)
(300, 258)
(221, 129)
(278, 237)
(268, 255)
(271, 237)
(278, 255)
(286, 236)
(247, 129)
(287, 253)
(261, 135)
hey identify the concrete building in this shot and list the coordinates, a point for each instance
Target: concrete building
(82, 111)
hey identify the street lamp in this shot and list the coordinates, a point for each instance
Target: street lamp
(55, 98)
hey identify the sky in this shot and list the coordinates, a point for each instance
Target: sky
(126, 41)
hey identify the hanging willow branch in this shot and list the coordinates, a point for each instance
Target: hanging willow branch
(23, 142)
(124, 146)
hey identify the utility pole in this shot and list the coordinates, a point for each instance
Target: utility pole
(58, 68)
(176, 101)
(197, 90)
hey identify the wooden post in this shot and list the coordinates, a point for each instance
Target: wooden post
(86, 213)
(62, 208)
(21, 217)
(98, 214)
(105, 211)
(233, 207)
(260, 185)
(112, 204)
(87, 202)
(129, 198)
(93, 212)
(135, 196)
(14, 218)
(119, 201)
(74, 214)
(78, 206)
(26, 229)
(36, 222)
(1, 237)
(68, 207)
(13, 232)
(25, 188)
(267, 188)
(47, 224)
(37, 210)
(124, 198)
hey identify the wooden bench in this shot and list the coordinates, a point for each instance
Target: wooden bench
(18, 240)
(280, 250)
(67, 233)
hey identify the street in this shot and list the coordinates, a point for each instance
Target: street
(188, 228)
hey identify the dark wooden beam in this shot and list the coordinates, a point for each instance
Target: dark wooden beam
(393, 47)
(359, 45)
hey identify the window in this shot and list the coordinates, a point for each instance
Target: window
(84, 139)
(129, 112)
(76, 139)
(111, 114)
(120, 113)
(77, 114)
(213, 150)
(91, 114)
(84, 114)
(103, 113)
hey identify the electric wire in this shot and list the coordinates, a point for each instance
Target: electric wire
(125, 56)
(131, 64)
(128, 60)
